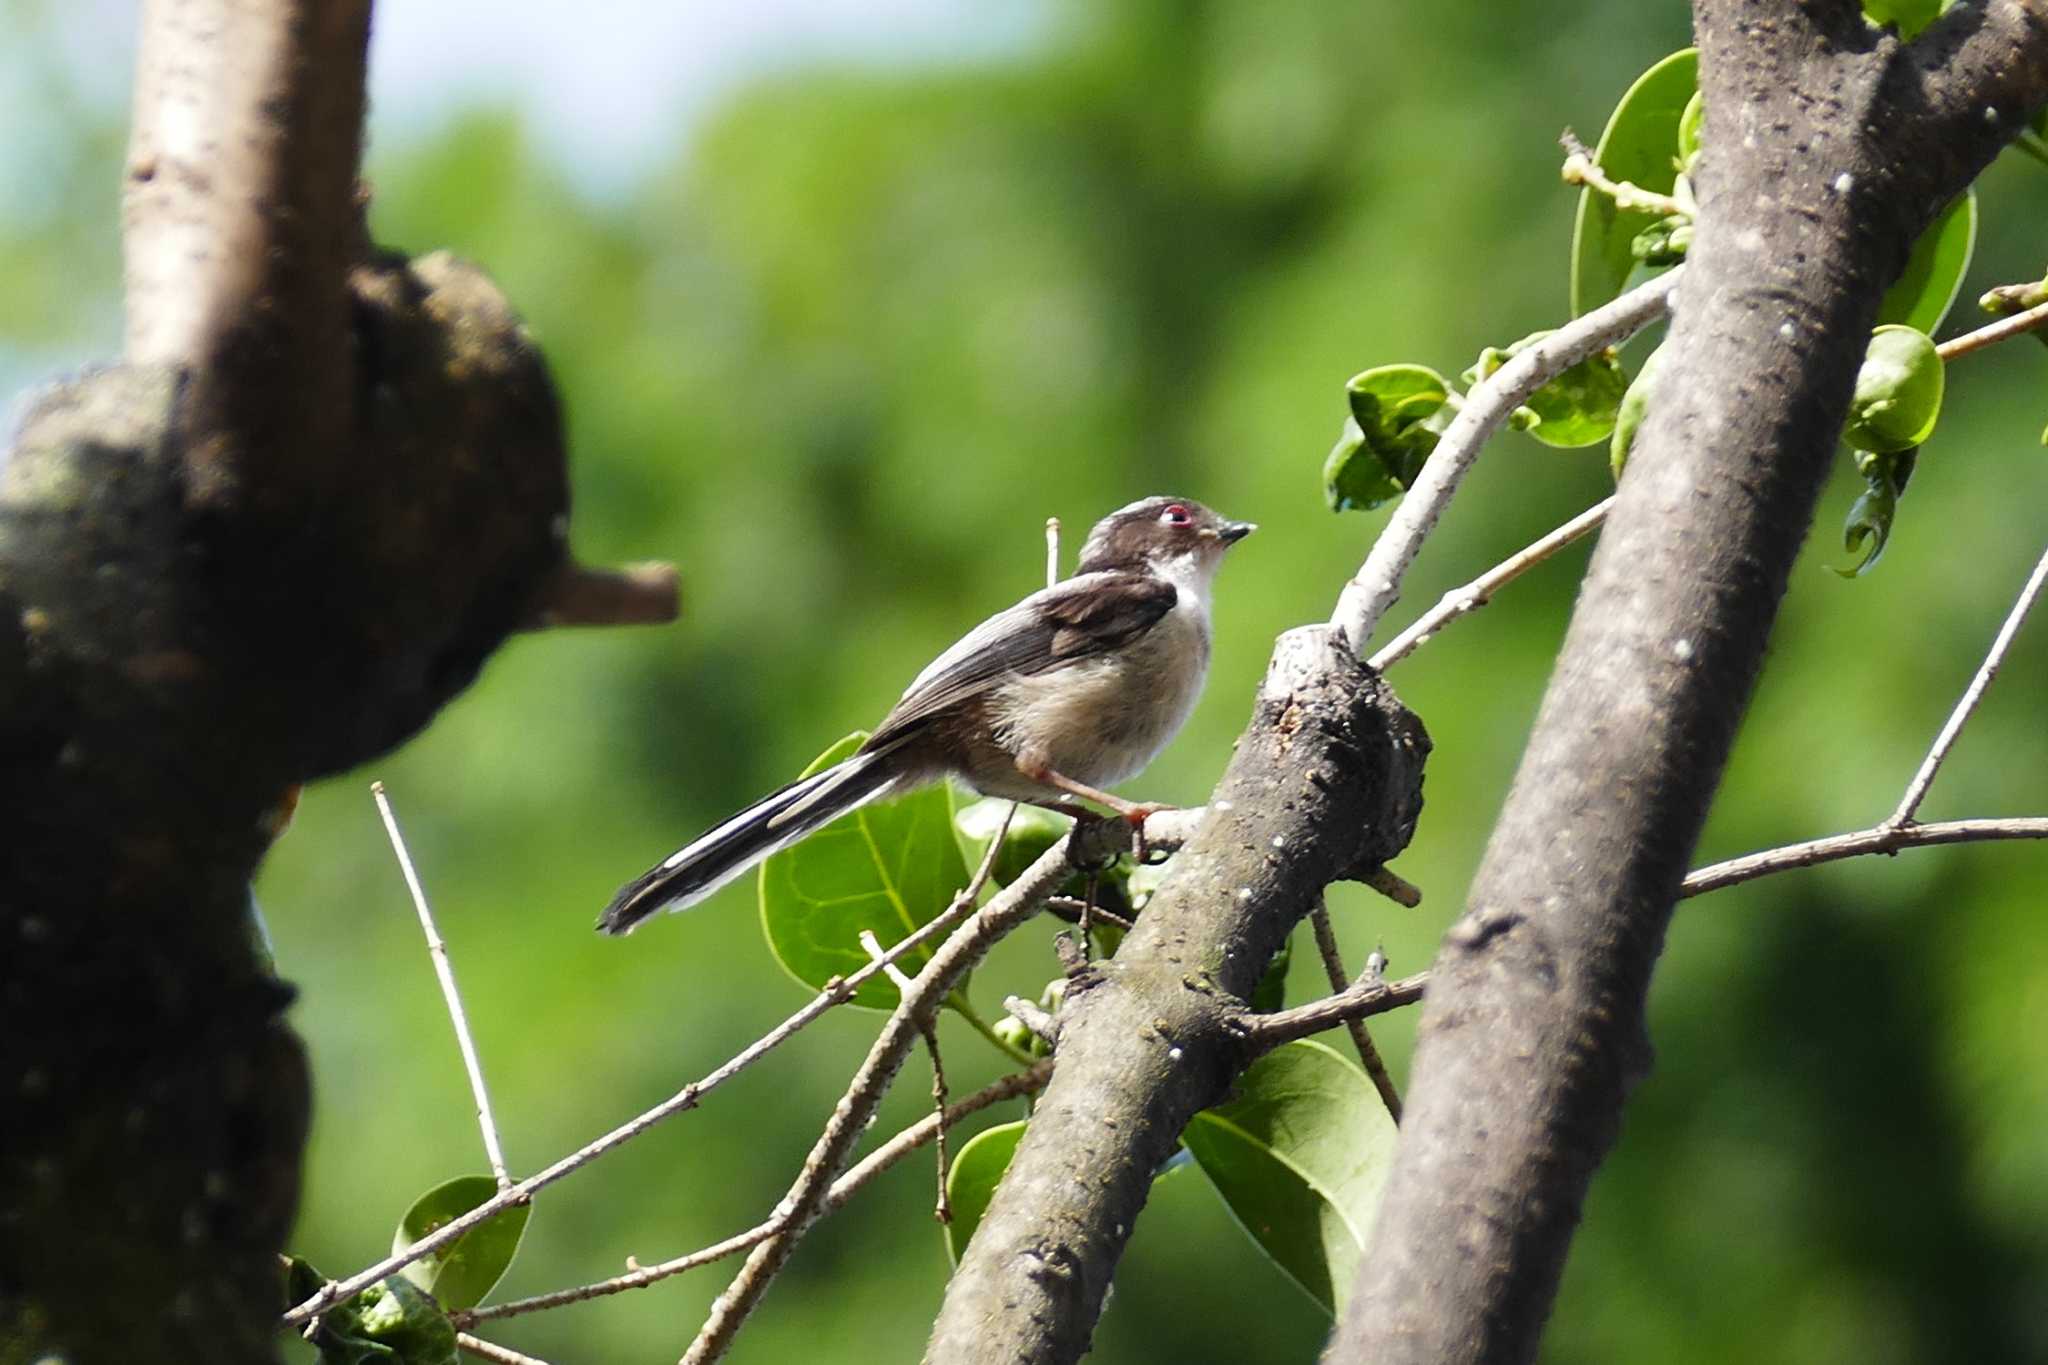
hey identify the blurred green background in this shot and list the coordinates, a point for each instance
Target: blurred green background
(837, 345)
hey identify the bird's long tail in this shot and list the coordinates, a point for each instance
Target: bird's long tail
(728, 850)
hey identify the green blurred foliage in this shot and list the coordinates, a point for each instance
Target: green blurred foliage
(840, 359)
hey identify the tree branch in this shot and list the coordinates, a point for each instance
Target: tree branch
(1377, 585)
(1533, 1031)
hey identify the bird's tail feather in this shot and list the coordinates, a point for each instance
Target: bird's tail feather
(729, 849)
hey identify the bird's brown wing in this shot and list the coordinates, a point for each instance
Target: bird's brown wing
(1079, 619)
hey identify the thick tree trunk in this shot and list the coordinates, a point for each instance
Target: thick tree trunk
(1828, 146)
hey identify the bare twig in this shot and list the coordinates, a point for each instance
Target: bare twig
(1365, 997)
(804, 1203)
(917, 1135)
(1582, 168)
(1377, 585)
(1992, 333)
(942, 1207)
(1071, 908)
(1052, 551)
(872, 946)
(1885, 838)
(1333, 968)
(1476, 594)
(1916, 790)
(1046, 1026)
(444, 970)
(491, 1350)
(1394, 887)
(637, 595)
(1369, 996)
(836, 992)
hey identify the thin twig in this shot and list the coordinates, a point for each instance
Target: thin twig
(577, 595)
(491, 1350)
(1476, 594)
(917, 1135)
(1916, 790)
(942, 1208)
(835, 992)
(1879, 839)
(1364, 998)
(1369, 996)
(1071, 908)
(1025, 1012)
(1992, 333)
(444, 969)
(1009, 908)
(1394, 887)
(1333, 968)
(1052, 551)
(1491, 402)
(1582, 168)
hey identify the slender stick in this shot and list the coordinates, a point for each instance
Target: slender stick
(1916, 790)
(1886, 838)
(444, 969)
(917, 1135)
(1009, 908)
(1369, 996)
(1472, 596)
(1377, 585)
(1993, 333)
(1333, 967)
(836, 992)
(491, 1350)
(1052, 551)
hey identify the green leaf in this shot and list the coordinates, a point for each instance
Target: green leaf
(1575, 409)
(890, 867)
(1689, 124)
(393, 1322)
(972, 1179)
(1300, 1158)
(1271, 992)
(1397, 414)
(1640, 145)
(1910, 16)
(1032, 830)
(462, 1272)
(1635, 406)
(1869, 524)
(1934, 271)
(1898, 392)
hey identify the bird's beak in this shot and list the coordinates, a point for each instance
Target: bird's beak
(1234, 531)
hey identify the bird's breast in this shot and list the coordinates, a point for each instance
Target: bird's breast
(1103, 719)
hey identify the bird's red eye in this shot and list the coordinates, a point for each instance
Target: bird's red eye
(1176, 515)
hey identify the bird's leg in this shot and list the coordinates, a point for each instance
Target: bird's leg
(1134, 813)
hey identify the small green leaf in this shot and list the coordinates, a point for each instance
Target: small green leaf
(1300, 1158)
(1898, 392)
(1032, 830)
(1689, 125)
(972, 1179)
(1575, 409)
(1635, 406)
(1397, 414)
(461, 1273)
(393, 1322)
(1869, 524)
(1927, 289)
(1640, 145)
(1911, 16)
(891, 866)
(1271, 992)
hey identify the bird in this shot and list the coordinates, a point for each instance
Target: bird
(1075, 688)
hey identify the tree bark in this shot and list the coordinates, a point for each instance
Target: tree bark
(1828, 146)
(323, 488)
(1326, 783)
